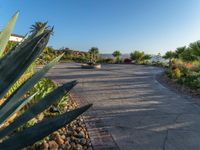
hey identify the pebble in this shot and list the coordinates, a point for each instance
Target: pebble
(53, 145)
(59, 140)
(73, 145)
(73, 136)
(90, 148)
(83, 141)
(44, 146)
(81, 134)
(79, 147)
(40, 117)
(63, 137)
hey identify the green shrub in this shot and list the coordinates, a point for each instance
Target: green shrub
(42, 88)
(192, 80)
(80, 59)
(107, 60)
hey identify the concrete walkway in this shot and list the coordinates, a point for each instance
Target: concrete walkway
(132, 111)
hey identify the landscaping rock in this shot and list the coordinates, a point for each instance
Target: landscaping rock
(53, 145)
(59, 140)
(44, 146)
(73, 136)
(79, 147)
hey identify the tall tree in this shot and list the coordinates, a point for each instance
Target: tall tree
(137, 56)
(38, 26)
(117, 55)
(169, 55)
(94, 51)
(179, 51)
(188, 56)
(195, 49)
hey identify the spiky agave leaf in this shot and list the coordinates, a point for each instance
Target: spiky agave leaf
(27, 85)
(16, 108)
(15, 62)
(38, 107)
(30, 135)
(6, 33)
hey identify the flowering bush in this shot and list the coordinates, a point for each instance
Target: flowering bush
(185, 73)
(176, 73)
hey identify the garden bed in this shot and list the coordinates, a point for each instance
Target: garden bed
(73, 136)
(182, 89)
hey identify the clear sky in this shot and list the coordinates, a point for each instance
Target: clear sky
(127, 25)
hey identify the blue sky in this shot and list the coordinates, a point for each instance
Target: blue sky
(127, 25)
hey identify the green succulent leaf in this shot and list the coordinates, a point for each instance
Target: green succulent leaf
(37, 108)
(19, 59)
(16, 108)
(6, 33)
(15, 97)
(32, 134)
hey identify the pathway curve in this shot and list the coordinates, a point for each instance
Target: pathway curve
(132, 111)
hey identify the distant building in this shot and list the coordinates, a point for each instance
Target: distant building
(16, 38)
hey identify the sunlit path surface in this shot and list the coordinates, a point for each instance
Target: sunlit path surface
(132, 111)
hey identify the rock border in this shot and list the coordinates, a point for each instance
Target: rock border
(73, 136)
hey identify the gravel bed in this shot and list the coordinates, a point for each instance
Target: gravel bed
(73, 136)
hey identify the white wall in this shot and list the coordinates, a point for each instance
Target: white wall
(15, 39)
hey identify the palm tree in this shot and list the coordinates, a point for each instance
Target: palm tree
(169, 55)
(137, 56)
(94, 51)
(38, 26)
(117, 55)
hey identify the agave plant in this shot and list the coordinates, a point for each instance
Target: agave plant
(12, 66)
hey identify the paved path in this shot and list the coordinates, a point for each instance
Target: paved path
(132, 110)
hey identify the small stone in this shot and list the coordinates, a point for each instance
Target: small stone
(69, 133)
(47, 138)
(44, 146)
(85, 147)
(63, 137)
(53, 145)
(77, 140)
(90, 148)
(79, 147)
(40, 117)
(81, 134)
(62, 146)
(83, 141)
(67, 146)
(86, 136)
(56, 133)
(73, 145)
(60, 131)
(78, 129)
(75, 133)
(67, 143)
(68, 139)
(59, 140)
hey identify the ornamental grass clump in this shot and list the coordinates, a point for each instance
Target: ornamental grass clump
(12, 66)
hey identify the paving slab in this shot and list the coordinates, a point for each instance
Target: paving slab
(131, 109)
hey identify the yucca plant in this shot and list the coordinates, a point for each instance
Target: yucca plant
(12, 65)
